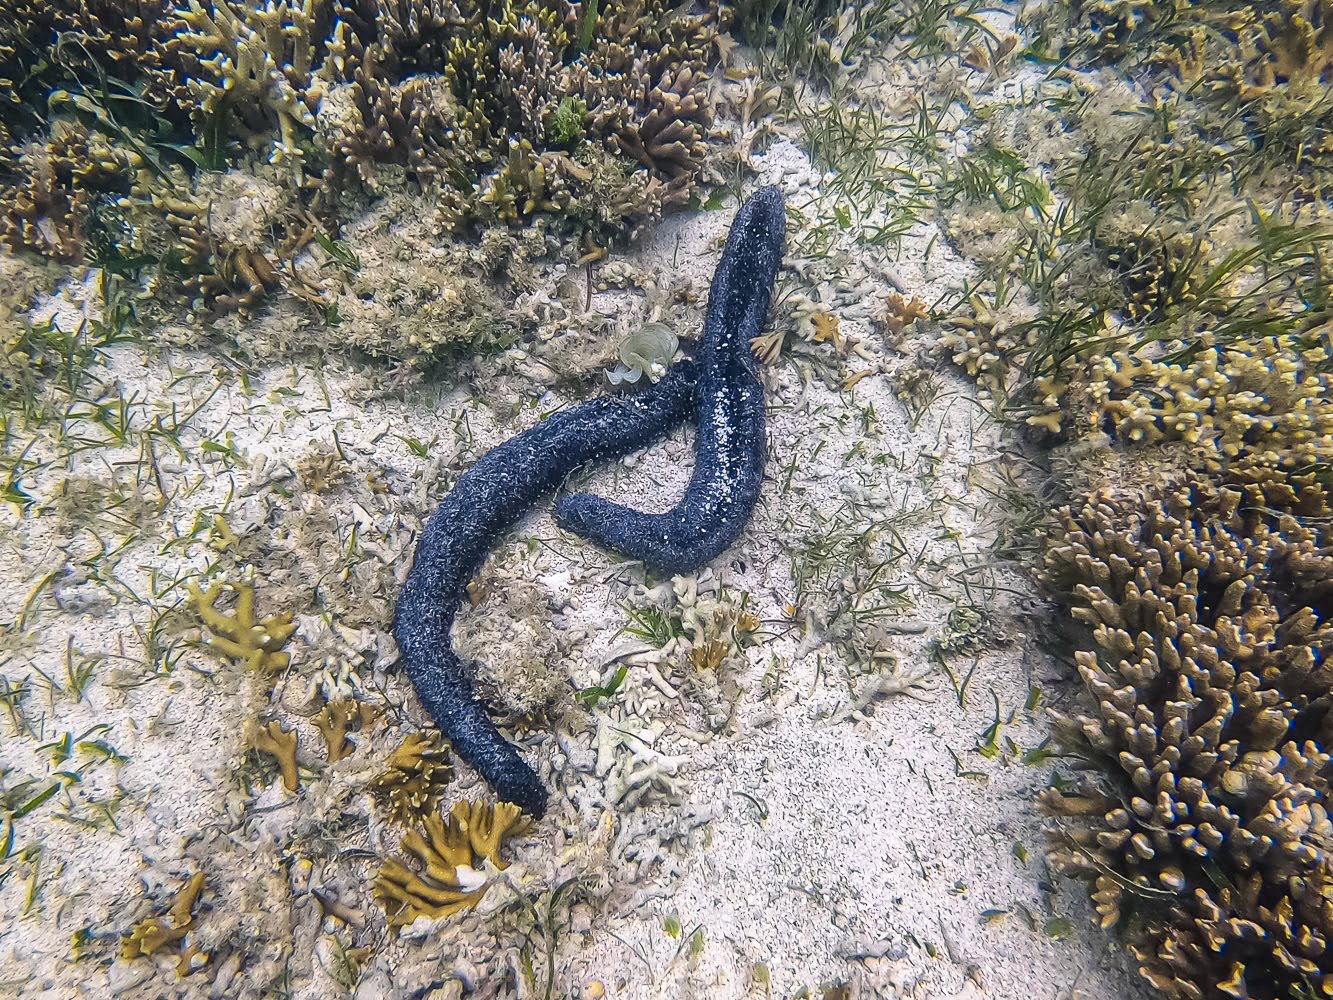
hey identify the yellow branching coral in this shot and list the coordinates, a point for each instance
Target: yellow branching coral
(1265, 402)
(413, 784)
(256, 643)
(714, 628)
(148, 936)
(709, 654)
(897, 314)
(448, 852)
(334, 721)
(281, 743)
(828, 329)
(530, 183)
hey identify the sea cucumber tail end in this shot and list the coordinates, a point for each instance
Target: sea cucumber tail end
(475, 738)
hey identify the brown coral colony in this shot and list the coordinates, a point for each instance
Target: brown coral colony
(1209, 609)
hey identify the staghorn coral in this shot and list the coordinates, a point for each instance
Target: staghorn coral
(256, 643)
(528, 183)
(413, 784)
(336, 718)
(47, 208)
(449, 852)
(281, 743)
(1209, 610)
(407, 124)
(151, 935)
(986, 342)
(251, 65)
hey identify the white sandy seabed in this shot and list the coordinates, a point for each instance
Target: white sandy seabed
(768, 828)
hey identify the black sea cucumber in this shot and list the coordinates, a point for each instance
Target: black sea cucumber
(488, 499)
(730, 450)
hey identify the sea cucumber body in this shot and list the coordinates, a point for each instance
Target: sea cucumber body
(487, 500)
(731, 446)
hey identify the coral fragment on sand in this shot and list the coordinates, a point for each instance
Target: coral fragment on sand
(447, 876)
(253, 642)
(281, 743)
(336, 719)
(150, 935)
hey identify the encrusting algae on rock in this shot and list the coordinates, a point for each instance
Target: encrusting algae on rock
(450, 853)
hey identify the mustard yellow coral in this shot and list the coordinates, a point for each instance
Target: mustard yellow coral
(254, 642)
(1264, 402)
(148, 936)
(334, 721)
(413, 783)
(281, 743)
(445, 879)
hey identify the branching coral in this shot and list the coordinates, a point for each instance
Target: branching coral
(281, 743)
(155, 933)
(251, 63)
(46, 210)
(413, 784)
(253, 642)
(1264, 402)
(594, 119)
(1154, 269)
(897, 314)
(449, 852)
(334, 721)
(1209, 609)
